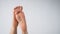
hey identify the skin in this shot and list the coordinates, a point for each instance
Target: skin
(18, 19)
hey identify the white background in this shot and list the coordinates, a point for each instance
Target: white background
(42, 16)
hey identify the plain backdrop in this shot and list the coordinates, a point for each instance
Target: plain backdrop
(42, 16)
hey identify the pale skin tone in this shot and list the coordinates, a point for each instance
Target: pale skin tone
(18, 20)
